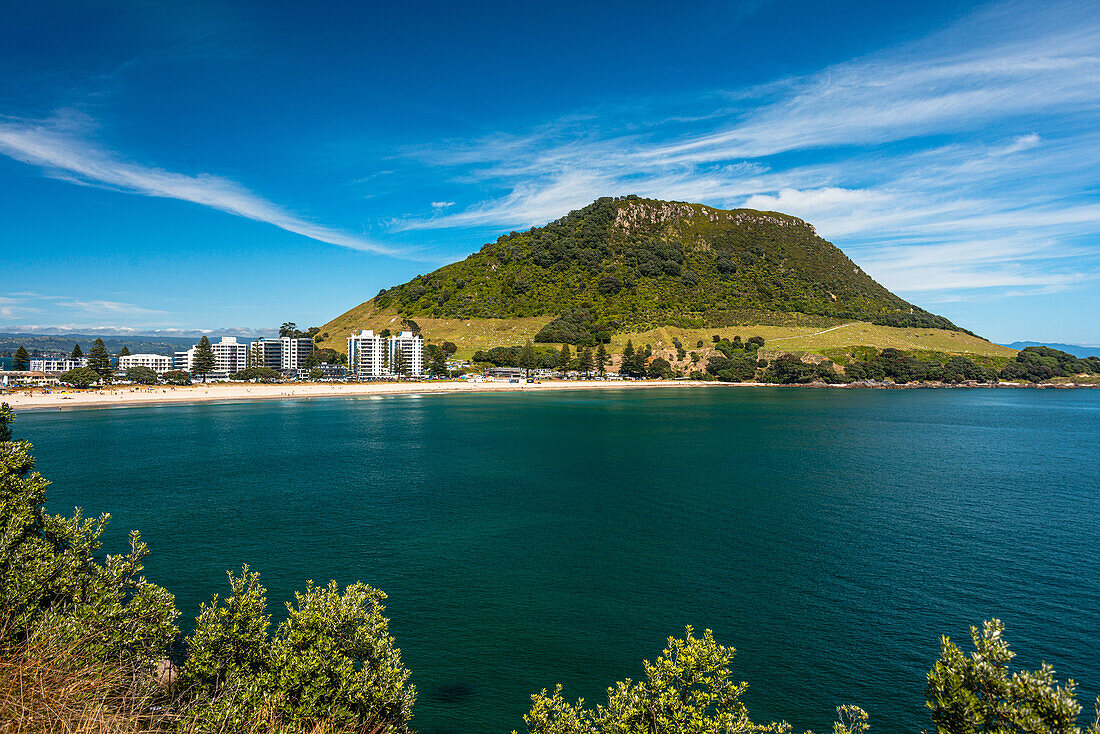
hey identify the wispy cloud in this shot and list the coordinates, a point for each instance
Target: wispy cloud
(59, 147)
(963, 160)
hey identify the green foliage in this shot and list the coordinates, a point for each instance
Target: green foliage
(177, 377)
(320, 356)
(77, 352)
(52, 582)
(450, 348)
(81, 377)
(976, 694)
(99, 361)
(622, 263)
(204, 360)
(528, 359)
(659, 369)
(547, 358)
(689, 689)
(21, 360)
(1035, 364)
(902, 367)
(124, 352)
(316, 374)
(789, 369)
(633, 364)
(332, 660)
(576, 327)
(141, 375)
(738, 368)
(601, 359)
(437, 366)
(258, 374)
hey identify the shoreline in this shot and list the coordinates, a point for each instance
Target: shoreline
(230, 393)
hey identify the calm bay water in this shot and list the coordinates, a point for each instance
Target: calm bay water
(830, 536)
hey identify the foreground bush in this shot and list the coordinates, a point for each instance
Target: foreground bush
(331, 660)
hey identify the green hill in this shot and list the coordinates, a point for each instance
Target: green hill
(628, 266)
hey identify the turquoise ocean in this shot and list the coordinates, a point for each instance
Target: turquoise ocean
(831, 536)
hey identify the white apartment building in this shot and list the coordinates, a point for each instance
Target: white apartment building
(266, 353)
(295, 351)
(283, 354)
(229, 356)
(371, 355)
(57, 365)
(411, 347)
(156, 362)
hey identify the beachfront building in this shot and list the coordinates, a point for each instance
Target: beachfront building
(372, 356)
(156, 362)
(57, 365)
(266, 353)
(295, 351)
(229, 356)
(285, 354)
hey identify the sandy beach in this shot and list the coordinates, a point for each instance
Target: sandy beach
(125, 395)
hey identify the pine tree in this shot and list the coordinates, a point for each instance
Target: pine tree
(601, 359)
(399, 366)
(528, 359)
(564, 358)
(98, 359)
(204, 360)
(21, 359)
(626, 367)
(439, 363)
(124, 352)
(385, 360)
(78, 353)
(584, 361)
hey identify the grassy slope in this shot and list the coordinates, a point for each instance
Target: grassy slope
(473, 334)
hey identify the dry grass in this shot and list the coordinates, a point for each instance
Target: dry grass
(52, 687)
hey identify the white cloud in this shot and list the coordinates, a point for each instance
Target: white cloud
(57, 147)
(442, 204)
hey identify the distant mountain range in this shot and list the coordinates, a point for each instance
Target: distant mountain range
(42, 344)
(1077, 350)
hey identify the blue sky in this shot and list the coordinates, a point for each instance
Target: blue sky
(234, 165)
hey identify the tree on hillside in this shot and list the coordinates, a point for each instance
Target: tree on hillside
(528, 359)
(289, 328)
(99, 360)
(78, 353)
(21, 360)
(450, 348)
(564, 358)
(124, 352)
(204, 360)
(601, 359)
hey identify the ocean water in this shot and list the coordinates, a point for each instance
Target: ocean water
(528, 539)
